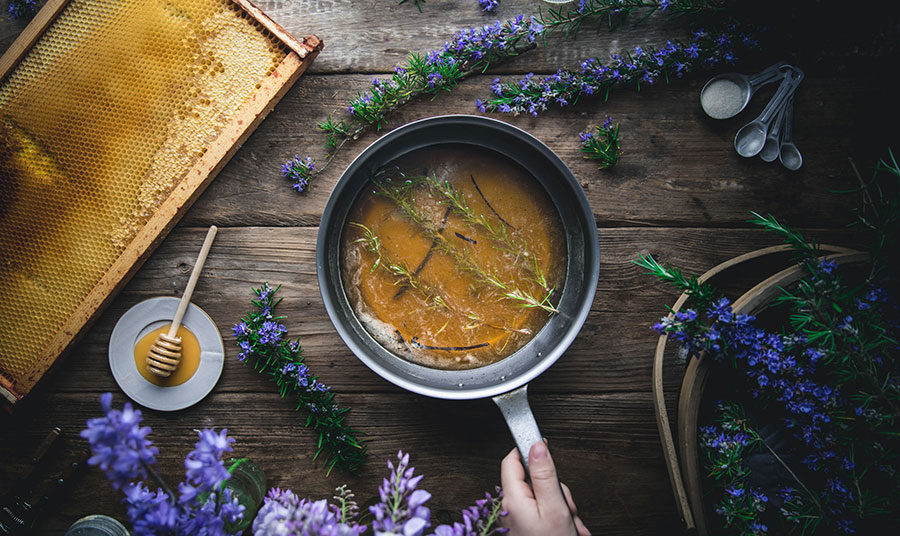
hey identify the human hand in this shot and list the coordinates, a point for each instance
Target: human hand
(544, 508)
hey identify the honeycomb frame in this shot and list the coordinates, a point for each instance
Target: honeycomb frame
(190, 140)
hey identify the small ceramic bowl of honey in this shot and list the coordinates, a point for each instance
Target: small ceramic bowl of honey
(203, 355)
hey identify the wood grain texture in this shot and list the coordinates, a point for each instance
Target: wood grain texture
(679, 193)
(678, 167)
(626, 304)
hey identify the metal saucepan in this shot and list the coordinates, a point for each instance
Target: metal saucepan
(505, 381)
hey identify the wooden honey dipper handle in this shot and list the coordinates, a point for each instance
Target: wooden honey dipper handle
(192, 281)
(165, 353)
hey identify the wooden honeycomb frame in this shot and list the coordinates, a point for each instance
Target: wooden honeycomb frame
(186, 190)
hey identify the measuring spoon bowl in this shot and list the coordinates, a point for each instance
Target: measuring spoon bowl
(790, 156)
(789, 153)
(772, 148)
(726, 95)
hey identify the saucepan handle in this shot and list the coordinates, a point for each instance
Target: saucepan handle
(517, 412)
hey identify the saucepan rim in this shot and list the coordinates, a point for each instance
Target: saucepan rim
(581, 276)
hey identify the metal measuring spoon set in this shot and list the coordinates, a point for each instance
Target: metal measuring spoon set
(770, 134)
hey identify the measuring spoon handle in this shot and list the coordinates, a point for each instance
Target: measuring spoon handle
(787, 133)
(792, 79)
(768, 75)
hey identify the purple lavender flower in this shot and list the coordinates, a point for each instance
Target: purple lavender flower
(121, 448)
(204, 467)
(402, 508)
(489, 6)
(478, 520)
(286, 514)
(299, 170)
(119, 443)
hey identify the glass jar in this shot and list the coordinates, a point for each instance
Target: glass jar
(248, 484)
(97, 525)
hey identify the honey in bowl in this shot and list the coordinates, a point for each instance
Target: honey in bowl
(190, 357)
(454, 258)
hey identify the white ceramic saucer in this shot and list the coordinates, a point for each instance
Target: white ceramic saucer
(152, 314)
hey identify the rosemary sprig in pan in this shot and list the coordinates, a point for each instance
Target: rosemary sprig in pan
(457, 203)
(411, 279)
(402, 198)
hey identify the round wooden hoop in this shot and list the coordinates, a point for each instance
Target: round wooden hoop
(686, 485)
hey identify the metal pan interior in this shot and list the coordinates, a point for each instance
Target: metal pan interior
(579, 229)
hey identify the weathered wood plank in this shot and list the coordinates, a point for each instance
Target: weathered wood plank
(375, 35)
(678, 167)
(604, 445)
(626, 304)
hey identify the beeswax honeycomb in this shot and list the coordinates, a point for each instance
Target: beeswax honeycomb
(98, 123)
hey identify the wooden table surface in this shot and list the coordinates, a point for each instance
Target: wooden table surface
(679, 192)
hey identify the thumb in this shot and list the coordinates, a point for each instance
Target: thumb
(544, 481)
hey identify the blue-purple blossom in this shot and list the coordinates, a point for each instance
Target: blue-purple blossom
(270, 332)
(299, 170)
(645, 65)
(121, 448)
(284, 514)
(22, 9)
(402, 508)
(489, 6)
(119, 443)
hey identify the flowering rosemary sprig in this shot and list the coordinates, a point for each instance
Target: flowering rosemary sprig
(409, 278)
(602, 144)
(726, 445)
(570, 17)
(469, 52)
(644, 66)
(829, 379)
(260, 336)
(404, 202)
(23, 9)
(299, 170)
(497, 231)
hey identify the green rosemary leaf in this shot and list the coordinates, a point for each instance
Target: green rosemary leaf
(260, 337)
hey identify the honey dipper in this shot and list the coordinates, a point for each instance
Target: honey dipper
(165, 354)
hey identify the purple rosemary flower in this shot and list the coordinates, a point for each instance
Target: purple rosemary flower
(240, 329)
(402, 508)
(489, 6)
(119, 443)
(644, 66)
(22, 9)
(602, 144)
(298, 171)
(270, 332)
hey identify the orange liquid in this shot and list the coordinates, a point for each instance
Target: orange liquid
(190, 357)
(403, 319)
